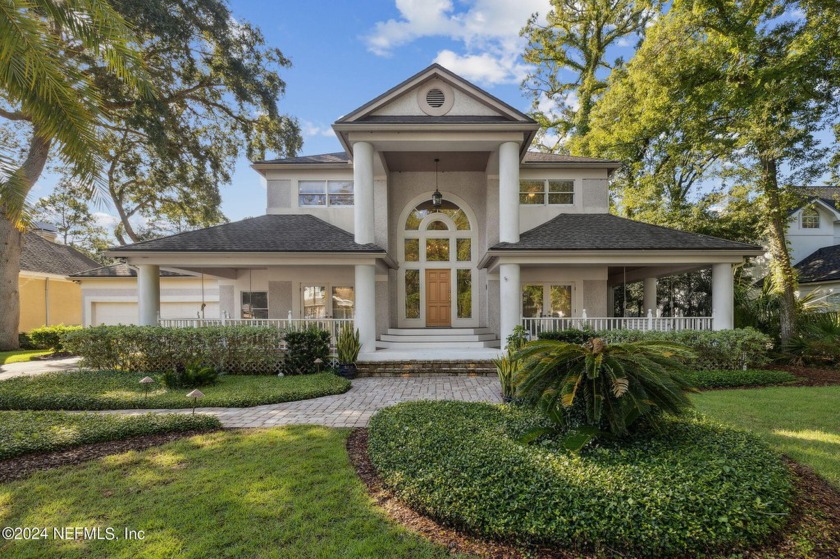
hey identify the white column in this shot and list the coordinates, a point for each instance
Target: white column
(365, 292)
(723, 297)
(650, 295)
(509, 192)
(148, 294)
(510, 304)
(363, 192)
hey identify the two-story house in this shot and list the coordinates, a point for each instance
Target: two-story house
(814, 242)
(437, 228)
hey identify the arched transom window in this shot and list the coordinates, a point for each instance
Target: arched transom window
(810, 218)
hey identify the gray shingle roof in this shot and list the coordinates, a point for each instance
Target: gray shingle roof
(828, 194)
(40, 255)
(267, 233)
(610, 232)
(121, 271)
(320, 159)
(341, 157)
(540, 157)
(821, 265)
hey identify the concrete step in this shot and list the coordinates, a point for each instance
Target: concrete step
(437, 345)
(437, 331)
(412, 367)
(452, 338)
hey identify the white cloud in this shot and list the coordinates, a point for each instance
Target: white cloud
(488, 29)
(105, 220)
(310, 129)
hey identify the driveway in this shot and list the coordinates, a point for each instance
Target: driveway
(29, 368)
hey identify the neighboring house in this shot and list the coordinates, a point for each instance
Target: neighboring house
(814, 240)
(109, 295)
(436, 227)
(47, 295)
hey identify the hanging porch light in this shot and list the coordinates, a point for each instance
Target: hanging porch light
(437, 197)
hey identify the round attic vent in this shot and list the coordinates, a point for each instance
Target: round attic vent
(435, 98)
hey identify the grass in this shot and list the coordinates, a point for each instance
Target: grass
(801, 422)
(24, 432)
(285, 492)
(738, 378)
(102, 390)
(21, 355)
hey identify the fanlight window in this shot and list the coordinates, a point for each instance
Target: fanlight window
(424, 209)
(810, 218)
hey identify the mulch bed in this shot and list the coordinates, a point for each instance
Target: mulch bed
(815, 518)
(811, 376)
(23, 466)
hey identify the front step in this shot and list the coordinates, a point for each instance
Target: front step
(438, 338)
(410, 368)
(437, 331)
(438, 345)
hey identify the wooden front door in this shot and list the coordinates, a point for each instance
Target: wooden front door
(438, 298)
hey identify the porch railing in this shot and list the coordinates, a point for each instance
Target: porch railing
(331, 325)
(647, 323)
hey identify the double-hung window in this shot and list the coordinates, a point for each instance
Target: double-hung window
(553, 192)
(254, 304)
(323, 193)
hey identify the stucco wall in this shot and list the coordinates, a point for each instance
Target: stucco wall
(48, 301)
(803, 242)
(583, 278)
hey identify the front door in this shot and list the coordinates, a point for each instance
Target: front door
(438, 298)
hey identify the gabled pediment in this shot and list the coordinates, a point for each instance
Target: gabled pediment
(436, 95)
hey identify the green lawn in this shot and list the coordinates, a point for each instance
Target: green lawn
(24, 432)
(102, 390)
(283, 492)
(803, 423)
(21, 355)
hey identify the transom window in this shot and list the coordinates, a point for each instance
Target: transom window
(254, 304)
(554, 192)
(810, 218)
(322, 193)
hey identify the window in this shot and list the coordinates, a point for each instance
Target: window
(343, 302)
(546, 300)
(322, 193)
(554, 192)
(316, 304)
(412, 293)
(464, 285)
(254, 304)
(810, 218)
(314, 301)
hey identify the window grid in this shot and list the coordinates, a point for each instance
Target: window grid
(551, 192)
(325, 193)
(810, 219)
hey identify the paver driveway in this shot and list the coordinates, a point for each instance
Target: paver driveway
(355, 407)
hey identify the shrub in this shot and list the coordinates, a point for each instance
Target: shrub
(348, 345)
(51, 337)
(722, 349)
(732, 379)
(25, 341)
(191, 376)
(23, 432)
(690, 489)
(613, 385)
(818, 341)
(305, 346)
(570, 336)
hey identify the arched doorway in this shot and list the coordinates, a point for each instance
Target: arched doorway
(438, 272)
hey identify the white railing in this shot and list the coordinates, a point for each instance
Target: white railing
(331, 325)
(647, 323)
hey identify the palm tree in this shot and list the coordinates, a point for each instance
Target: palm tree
(42, 84)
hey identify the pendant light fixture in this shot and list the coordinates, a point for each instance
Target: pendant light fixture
(437, 197)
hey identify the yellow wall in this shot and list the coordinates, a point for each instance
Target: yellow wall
(65, 302)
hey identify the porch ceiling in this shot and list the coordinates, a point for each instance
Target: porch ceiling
(450, 161)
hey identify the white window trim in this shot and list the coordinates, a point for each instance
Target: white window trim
(547, 285)
(802, 217)
(328, 287)
(546, 193)
(326, 194)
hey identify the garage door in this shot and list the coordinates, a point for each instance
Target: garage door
(126, 313)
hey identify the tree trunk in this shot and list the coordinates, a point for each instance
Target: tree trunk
(784, 281)
(10, 245)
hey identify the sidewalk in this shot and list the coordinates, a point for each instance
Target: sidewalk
(29, 368)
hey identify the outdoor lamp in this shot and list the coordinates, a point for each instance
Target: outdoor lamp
(195, 395)
(146, 381)
(437, 197)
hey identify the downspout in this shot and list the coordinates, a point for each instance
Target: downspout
(46, 301)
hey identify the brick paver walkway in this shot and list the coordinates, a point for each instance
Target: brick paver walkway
(355, 407)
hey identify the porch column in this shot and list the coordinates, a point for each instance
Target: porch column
(363, 192)
(650, 295)
(723, 297)
(365, 292)
(509, 192)
(510, 303)
(148, 294)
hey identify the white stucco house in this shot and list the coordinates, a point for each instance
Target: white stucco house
(814, 241)
(436, 229)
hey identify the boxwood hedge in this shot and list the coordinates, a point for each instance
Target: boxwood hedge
(23, 432)
(731, 379)
(688, 489)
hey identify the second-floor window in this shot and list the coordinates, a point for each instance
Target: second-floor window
(323, 193)
(810, 218)
(553, 192)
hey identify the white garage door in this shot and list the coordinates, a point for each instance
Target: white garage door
(107, 312)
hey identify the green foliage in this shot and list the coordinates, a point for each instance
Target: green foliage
(113, 390)
(51, 337)
(690, 488)
(230, 349)
(24, 432)
(613, 384)
(508, 365)
(348, 345)
(818, 340)
(25, 341)
(193, 375)
(21, 355)
(723, 349)
(734, 379)
(305, 346)
(570, 335)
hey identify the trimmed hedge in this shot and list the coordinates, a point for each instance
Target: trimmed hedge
(23, 432)
(734, 379)
(715, 350)
(50, 337)
(114, 390)
(230, 349)
(690, 488)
